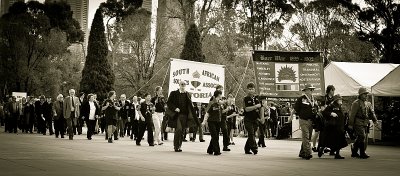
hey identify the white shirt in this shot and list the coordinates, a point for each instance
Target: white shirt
(92, 111)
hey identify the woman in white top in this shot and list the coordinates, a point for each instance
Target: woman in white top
(90, 112)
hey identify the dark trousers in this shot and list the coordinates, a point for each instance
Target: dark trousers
(261, 136)
(225, 134)
(91, 124)
(13, 121)
(59, 126)
(71, 125)
(41, 125)
(135, 128)
(49, 125)
(128, 127)
(214, 128)
(29, 125)
(251, 127)
(274, 126)
(148, 124)
(178, 135)
(198, 129)
(79, 125)
(122, 124)
(164, 135)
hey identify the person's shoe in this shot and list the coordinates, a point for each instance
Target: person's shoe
(116, 139)
(248, 152)
(232, 143)
(263, 146)
(151, 145)
(307, 157)
(160, 143)
(314, 149)
(131, 137)
(62, 136)
(90, 138)
(217, 153)
(184, 140)
(178, 150)
(71, 138)
(191, 139)
(255, 151)
(338, 156)
(331, 153)
(320, 152)
(364, 156)
(202, 140)
(138, 144)
(56, 136)
(354, 151)
(210, 152)
(110, 140)
(226, 149)
(44, 134)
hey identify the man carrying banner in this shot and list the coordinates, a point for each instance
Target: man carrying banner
(181, 113)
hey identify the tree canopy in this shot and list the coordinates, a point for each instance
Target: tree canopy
(97, 75)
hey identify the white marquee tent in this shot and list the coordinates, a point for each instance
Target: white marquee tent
(348, 77)
(389, 85)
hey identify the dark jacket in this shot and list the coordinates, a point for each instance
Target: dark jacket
(304, 108)
(124, 111)
(85, 109)
(172, 105)
(58, 110)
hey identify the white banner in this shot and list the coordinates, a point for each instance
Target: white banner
(19, 95)
(201, 78)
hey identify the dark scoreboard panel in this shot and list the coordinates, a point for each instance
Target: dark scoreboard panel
(284, 74)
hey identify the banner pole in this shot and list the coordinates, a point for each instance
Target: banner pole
(165, 77)
(151, 78)
(241, 82)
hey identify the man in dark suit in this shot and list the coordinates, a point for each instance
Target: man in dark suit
(40, 110)
(182, 113)
(123, 114)
(58, 116)
(13, 111)
(71, 111)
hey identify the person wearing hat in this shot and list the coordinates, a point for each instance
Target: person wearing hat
(360, 114)
(306, 108)
(334, 132)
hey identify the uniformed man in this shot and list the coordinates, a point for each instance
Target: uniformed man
(251, 114)
(360, 114)
(306, 108)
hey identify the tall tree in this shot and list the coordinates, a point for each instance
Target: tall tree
(192, 49)
(325, 26)
(379, 23)
(97, 75)
(32, 36)
(266, 19)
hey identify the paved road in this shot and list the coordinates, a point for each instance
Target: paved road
(38, 155)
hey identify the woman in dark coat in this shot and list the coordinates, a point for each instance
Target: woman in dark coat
(334, 131)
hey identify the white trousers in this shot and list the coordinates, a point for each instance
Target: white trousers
(157, 121)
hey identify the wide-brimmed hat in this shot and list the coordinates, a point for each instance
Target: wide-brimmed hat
(362, 90)
(337, 97)
(308, 86)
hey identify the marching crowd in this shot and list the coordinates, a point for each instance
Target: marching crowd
(122, 117)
